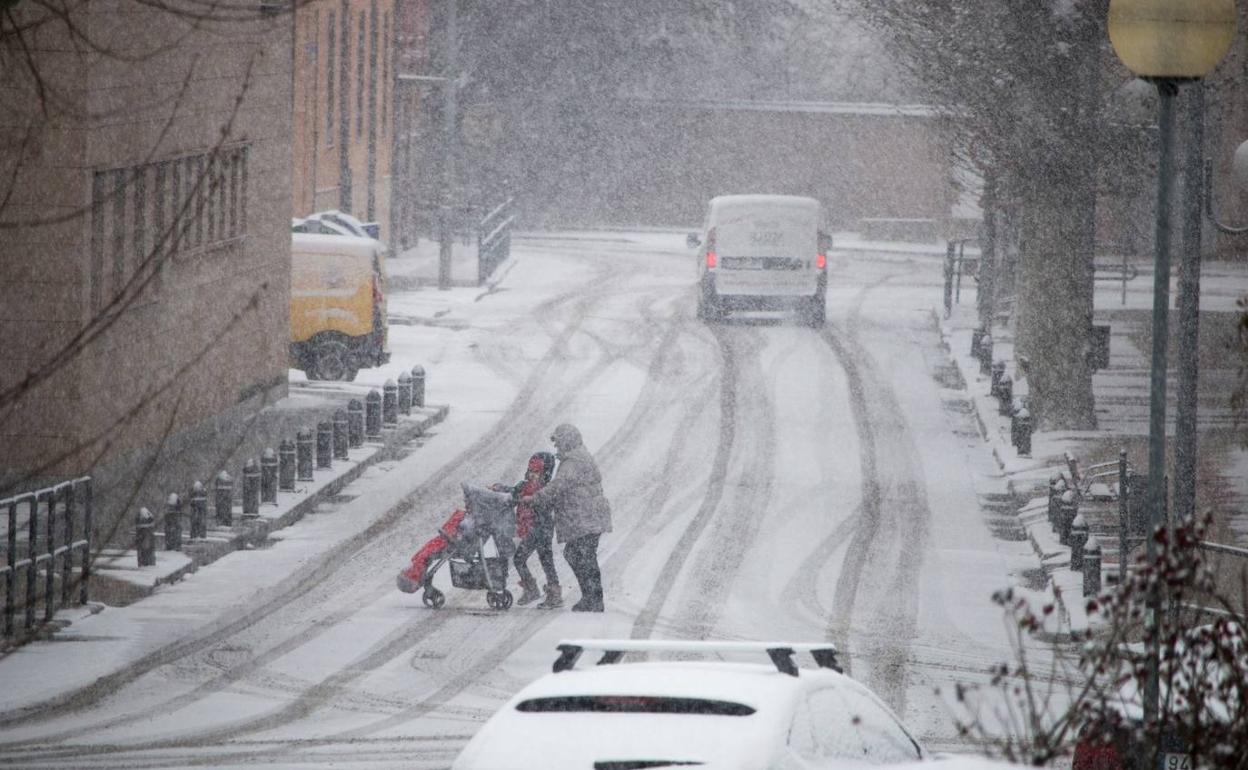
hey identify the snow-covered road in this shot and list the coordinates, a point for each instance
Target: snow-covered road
(767, 481)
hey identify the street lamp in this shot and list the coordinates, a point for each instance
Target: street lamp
(1166, 42)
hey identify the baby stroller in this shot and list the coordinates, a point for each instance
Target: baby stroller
(460, 544)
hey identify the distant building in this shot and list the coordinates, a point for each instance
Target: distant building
(144, 228)
(344, 108)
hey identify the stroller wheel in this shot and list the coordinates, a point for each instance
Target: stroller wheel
(433, 598)
(505, 599)
(498, 600)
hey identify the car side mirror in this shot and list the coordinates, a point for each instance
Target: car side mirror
(693, 241)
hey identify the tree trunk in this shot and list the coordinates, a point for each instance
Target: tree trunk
(1055, 295)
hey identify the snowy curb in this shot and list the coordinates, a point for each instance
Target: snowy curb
(1054, 558)
(128, 583)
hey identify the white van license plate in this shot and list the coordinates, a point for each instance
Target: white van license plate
(763, 263)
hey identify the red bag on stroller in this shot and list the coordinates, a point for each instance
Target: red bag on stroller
(410, 579)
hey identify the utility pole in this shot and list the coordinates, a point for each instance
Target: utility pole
(449, 88)
(1189, 308)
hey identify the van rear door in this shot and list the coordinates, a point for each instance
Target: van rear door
(766, 245)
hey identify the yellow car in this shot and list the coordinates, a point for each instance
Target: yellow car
(337, 305)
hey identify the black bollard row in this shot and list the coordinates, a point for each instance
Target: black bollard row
(324, 444)
(1021, 429)
(173, 522)
(355, 423)
(199, 511)
(268, 476)
(341, 429)
(1092, 568)
(405, 393)
(390, 404)
(251, 488)
(985, 354)
(1067, 510)
(223, 499)
(303, 451)
(286, 465)
(998, 371)
(1005, 396)
(418, 386)
(1078, 539)
(372, 415)
(145, 538)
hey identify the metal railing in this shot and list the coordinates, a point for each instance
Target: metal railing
(494, 238)
(42, 536)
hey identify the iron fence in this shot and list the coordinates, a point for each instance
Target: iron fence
(45, 531)
(494, 238)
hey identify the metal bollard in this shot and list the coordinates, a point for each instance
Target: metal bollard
(324, 444)
(268, 476)
(199, 511)
(1092, 568)
(355, 423)
(1078, 539)
(286, 466)
(340, 435)
(223, 499)
(405, 393)
(303, 455)
(1067, 510)
(1025, 429)
(390, 404)
(418, 386)
(1005, 396)
(998, 371)
(372, 415)
(173, 522)
(145, 538)
(251, 488)
(985, 354)
(1057, 485)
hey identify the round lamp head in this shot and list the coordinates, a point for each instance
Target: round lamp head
(1179, 39)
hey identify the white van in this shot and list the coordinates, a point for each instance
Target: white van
(762, 252)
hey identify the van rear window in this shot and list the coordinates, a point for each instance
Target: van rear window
(635, 704)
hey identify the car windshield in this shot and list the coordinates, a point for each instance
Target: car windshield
(635, 704)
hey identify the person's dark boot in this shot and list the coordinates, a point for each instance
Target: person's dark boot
(588, 604)
(554, 597)
(529, 592)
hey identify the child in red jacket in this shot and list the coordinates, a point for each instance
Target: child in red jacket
(536, 529)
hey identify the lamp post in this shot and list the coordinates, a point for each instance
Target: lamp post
(1166, 42)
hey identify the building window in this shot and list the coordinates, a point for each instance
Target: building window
(359, 82)
(145, 214)
(330, 51)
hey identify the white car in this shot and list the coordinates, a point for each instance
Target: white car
(705, 714)
(762, 252)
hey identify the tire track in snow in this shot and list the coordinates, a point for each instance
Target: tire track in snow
(890, 537)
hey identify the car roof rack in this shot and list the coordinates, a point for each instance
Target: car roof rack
(781, 653)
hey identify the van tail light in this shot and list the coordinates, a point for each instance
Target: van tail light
(821, 261)
(712, 259)
(377, 295)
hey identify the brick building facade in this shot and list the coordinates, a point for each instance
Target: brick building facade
(145, 244)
